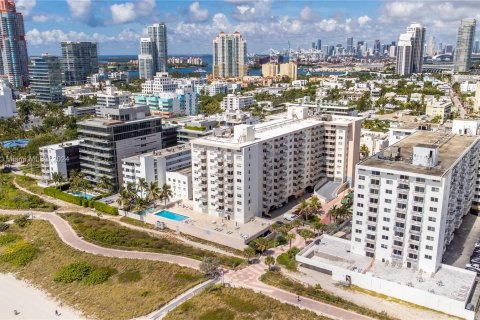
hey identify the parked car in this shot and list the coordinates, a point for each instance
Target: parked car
(473, 269)
(289, 216)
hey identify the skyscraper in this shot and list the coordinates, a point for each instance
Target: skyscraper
(229, 55)
(350, 45)
(153, 51)
(410, 50)
(13, 47)
(313, 45)
(431, 46)
(79, 60)
(476, 47)
(158, 34)
(376, 47)
(46, 78)
(145, 59)
(463, 51)
(319, 44)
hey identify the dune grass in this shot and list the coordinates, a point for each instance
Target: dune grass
(111, 234)
(237, 304)
(12, 198)
(29, 184)
(151, 285)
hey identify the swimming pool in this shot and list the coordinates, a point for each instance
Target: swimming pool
(171, 215)
(82, 195)
(145, 211)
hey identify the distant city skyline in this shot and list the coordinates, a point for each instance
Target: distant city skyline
(117, 26)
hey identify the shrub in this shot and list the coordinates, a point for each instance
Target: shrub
(99, 275)
(7, 238)
(22, 222)
(3, 226)
(100, 206)
(220, 313)
(130, 276)
(19, 253)
(73, 272)
(105, 208)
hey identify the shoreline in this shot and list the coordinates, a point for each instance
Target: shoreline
(30, 301)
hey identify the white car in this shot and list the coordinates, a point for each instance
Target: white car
(289, 216)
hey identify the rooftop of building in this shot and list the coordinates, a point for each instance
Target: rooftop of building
(103, 122)
(185, 171)
(271, 129)
(448, 281)
(165, 152)
(451, 148)
(62, 145)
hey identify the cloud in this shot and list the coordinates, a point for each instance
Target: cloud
(131, 11)
(308, 14)
(363, 20)
(54, 36)
(197, 13)
(82, 10)
(25, 6)
(251, 10)
(40, 18)
(327, 25)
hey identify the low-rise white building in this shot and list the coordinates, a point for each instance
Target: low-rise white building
(441, 107)
(234, 102)
(59, 158)
(7, 104)
(181, 183)
(153, 166)
(374, 141)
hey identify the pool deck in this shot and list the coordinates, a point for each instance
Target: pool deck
(210, 228)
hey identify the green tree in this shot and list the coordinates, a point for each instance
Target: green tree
(269, 261)
(57, 179)
(289, 237)
(303, 208)
(274, 228)
(153, 192)
(262, 244)
(249, 253)
(209, 266)
(306, 234)
(364, 151)
(105, 183)
(314, 204)
(166, 193)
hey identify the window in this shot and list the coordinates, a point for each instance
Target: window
(388, 200)
(388, 191)
(361, 177)
(384, 246)
(358, 231)
(373, 200)
(359, 213)
(358, 240)
(429, 247)
(384, 237)
(417, 209)
(428, 257)
(433, 199)
(430, 228)
(419, 189)
(389, 181)
(371, 228)
(361, 186)
(385, 228)
(432, 219)
(430, 238)
(386, 219)
(433, 209)
(358, 222)
(435, 189)
(361, 196)
(374, 210)
(387, 210)
(360, 205)
(418, 199)
(375, 182)
(397, 252)
(419, 179)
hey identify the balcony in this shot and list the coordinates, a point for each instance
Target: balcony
(399, 229)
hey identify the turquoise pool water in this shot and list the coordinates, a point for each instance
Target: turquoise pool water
(171, 215)
(82, 195)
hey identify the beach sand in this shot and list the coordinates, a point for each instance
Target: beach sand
(31, 302)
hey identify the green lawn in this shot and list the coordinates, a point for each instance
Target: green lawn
(278, 280)
(113, 289)
(12, 198)
(237, 304)
(29, 184)
(111, 234)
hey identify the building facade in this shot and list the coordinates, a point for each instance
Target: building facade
(13, 47)
(123, 132)
(153, 51)
(229, 55)
(410, 50)
(241, 173)
(79, 60)
(233, 102)
(46, 78)
(7, 103)
(463, 50)
(411, 197)
(59, 158)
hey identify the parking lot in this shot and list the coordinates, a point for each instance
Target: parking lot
(460, 249)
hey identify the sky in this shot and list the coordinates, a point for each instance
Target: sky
(192, 25)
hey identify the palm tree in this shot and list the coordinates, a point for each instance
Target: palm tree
(274, 228)
(289, 237)
(262, 244)
(105, 183)
(270, 261)
(57, 179)
(166, 193)
(248, 253)
(306, 234)
(303, 208)
(318, 226)
(296, 223)
(153, 192)
(364, 151)
(314, 204)
(333, 213)
(142, 186)
(124, 200)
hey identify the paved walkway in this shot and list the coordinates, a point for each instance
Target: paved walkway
(247, 277)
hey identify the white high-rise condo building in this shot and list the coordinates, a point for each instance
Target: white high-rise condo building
(153, 51)
(411, 197)
(229, 55)
(431, 46)
(257, 168)
(410, 52)
(463, 51)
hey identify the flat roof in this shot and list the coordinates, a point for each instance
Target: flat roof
(451, 148)
(160, 152)
(272, 129)
(448, 281)
(104, 122)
